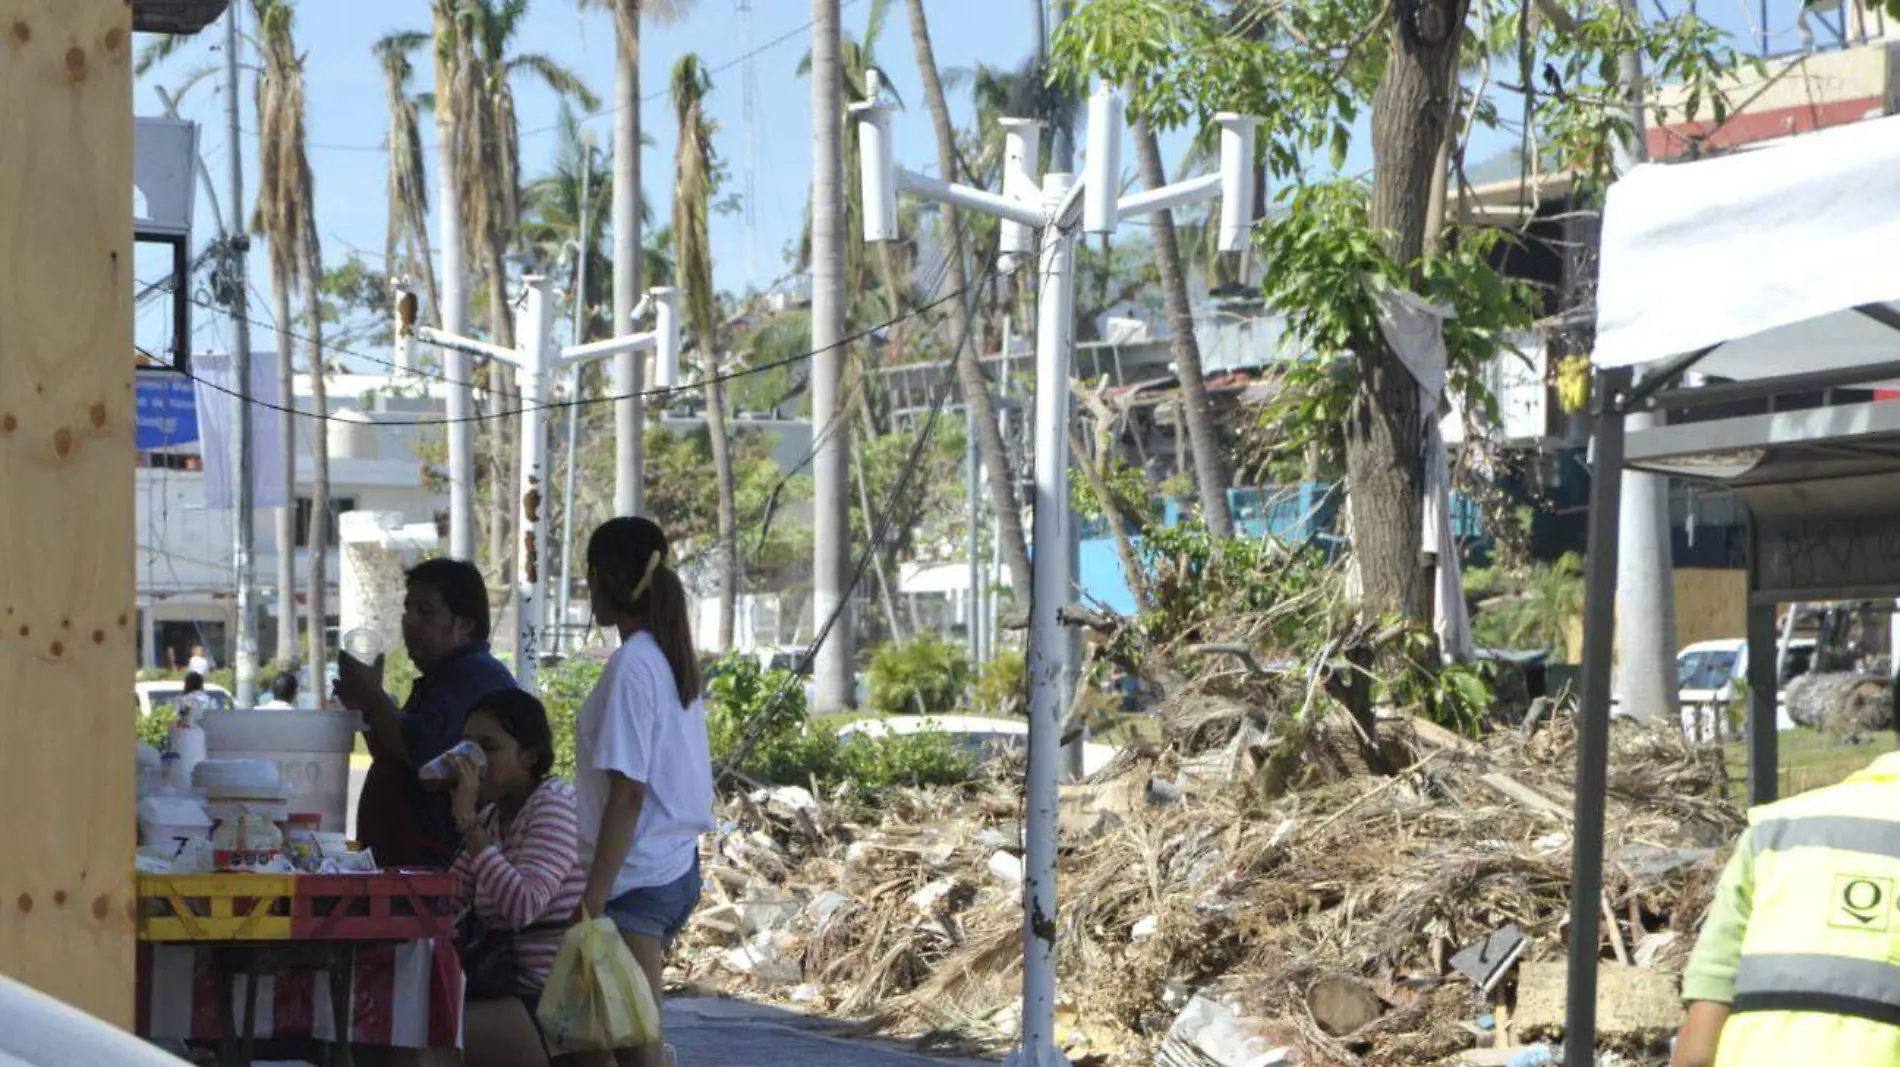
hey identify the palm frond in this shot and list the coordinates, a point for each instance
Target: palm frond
(162, 47)
(551, 73)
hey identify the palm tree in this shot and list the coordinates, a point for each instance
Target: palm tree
(286, 195)
(488, 175)
(976, 392)
(628, 210)
(1210, 477)
(692, 193)
(406, 245)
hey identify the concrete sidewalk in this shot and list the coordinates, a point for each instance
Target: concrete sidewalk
(708, 1032)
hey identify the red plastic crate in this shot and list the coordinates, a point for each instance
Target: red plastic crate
(390, 906)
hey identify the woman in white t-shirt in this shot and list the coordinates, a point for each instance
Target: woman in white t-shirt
(642, 768)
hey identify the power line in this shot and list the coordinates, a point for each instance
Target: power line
(880, 535)
(559, 405)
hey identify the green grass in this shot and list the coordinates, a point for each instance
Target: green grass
(1810, 759)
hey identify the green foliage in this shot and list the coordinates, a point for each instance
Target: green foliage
(1133, 496)
(564, 688)
(1195, 577)
(1002, 685)
(747, 701)
(1457, 696)
(680, 487)
(874, 765)
(1530, 608)
(155, 729)
(926, 673)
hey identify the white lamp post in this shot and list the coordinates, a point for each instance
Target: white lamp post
(1050, 206)
(535, 362)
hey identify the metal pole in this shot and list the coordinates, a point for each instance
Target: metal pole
(1593, 740)
(831, 530)
(1055, 321)
(537, 339)
(1763, 738)
(974, 540)
(573, 396)
(245, 531)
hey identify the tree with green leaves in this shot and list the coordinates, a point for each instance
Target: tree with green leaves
(1337, 245)
(695, 180)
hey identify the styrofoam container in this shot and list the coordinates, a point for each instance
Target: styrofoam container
(165, 821)
(311, 750)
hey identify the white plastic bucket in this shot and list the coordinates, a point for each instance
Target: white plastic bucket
(311, 750)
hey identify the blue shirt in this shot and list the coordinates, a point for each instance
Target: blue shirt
(403, 823)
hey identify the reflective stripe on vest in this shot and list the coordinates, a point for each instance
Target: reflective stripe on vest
(1848, 833)
(1830, 985)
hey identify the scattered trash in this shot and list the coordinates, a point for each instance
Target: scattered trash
(1224, 905)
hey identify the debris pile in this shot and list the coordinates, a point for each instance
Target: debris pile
(1336, 916)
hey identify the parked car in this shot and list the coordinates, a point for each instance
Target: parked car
(167, 694)
(1707, 671)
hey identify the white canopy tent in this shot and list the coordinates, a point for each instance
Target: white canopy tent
(1773, 272)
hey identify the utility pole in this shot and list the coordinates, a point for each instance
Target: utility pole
(235, 242)
(535, 361)
(574, 395)
(630, 416)
(974, 502)
(831, 521)
(1645, 590)
(1053, 208)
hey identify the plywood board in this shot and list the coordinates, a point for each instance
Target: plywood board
(66, 508)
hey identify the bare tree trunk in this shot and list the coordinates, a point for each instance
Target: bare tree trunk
(286, 515)
(1009, 517)
(1210, 475)
(319, 598)
(629, 259)
(1384, 453)
(503, 492)
(834, 673)
(728, 508)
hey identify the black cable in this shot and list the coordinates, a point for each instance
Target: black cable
(880, 535)
(561, 405)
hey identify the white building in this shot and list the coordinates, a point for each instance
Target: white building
(186, 578)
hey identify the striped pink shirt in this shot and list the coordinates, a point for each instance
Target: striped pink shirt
(531, 875)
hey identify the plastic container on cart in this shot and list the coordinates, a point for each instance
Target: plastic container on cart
(310, 748)
(168, 822)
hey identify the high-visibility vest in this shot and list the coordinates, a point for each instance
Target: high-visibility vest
(1819, 977)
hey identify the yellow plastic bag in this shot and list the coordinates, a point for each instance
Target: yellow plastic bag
(597, 996)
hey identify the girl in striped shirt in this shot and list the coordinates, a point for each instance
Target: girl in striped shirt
(519, 866)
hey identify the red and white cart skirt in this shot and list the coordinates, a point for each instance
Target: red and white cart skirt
(407, 995)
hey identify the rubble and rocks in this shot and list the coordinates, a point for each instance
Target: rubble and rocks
(1847, 703)
(1213, 909)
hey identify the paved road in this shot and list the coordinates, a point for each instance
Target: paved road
(735, 1033)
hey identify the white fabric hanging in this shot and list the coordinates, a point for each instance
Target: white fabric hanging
(217, 426)
(1415, 330)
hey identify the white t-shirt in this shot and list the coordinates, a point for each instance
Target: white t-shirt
(633, 724)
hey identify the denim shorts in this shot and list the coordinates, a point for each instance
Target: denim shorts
(658, 911)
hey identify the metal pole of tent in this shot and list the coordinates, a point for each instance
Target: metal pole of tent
(1593, 739)
(1763, 740)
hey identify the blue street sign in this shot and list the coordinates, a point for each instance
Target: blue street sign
(167, 412)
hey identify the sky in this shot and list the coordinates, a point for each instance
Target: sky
(347, 115)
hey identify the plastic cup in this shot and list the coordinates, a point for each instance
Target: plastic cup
(363, 644)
